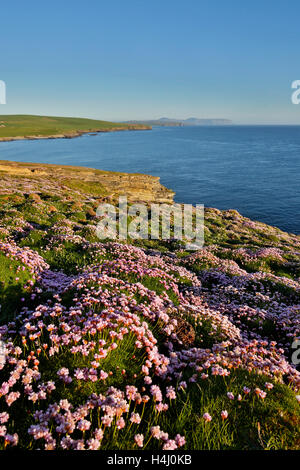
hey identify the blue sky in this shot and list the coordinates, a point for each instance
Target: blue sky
(146, 59)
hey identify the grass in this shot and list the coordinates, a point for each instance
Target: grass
(86, 187)
(252, 424)
(60, 226)
(30, 125)
(12, 286)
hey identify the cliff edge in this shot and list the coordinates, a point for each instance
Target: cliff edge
(27, 177)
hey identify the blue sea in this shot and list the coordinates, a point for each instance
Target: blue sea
(253, 169)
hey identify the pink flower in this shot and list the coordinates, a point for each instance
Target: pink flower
(4, 417)
(63, 374)
(207, 417)
(224, 414)
(98, 434)
(139, 439)
(171, 394)
(260, 393)
(156, 392)
(131, 392)
(12, 439)
(161, 407)
(120, 423)
(93, 444)
(180, 440)
(84, 425)
(164, 436)
(11, 397)
(170, 445)
(135, 418)
(4, 389)
(103, 375)
(230, 396)
(155, 432)
(269, 386)
(65, 405)
(107, 420)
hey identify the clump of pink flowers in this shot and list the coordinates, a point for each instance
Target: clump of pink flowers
(111, 310)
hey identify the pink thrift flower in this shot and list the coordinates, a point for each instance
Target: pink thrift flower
(139, 440)
(180, 440)
(269, 386)
(170, 445)
(155, 432)
(120, 423)
(135, 418)
(207, 417)
(171, 394)
(4, 417)
(84, 425)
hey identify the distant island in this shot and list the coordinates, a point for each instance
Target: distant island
(164, 121)
(22, 126)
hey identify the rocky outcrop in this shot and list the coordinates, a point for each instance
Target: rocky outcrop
(101, 184)
(137, 187)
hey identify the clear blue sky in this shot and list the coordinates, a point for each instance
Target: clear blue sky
(139, 59)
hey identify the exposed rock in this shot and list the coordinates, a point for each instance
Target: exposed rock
(185, 332)
(73, 134)
(137, 187)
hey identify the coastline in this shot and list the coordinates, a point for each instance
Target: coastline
(222, 308)
(72, 135)
(59, 178)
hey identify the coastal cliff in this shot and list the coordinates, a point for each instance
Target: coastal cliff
(163, 347)
(36, 177)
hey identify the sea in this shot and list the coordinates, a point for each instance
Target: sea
(253, 169)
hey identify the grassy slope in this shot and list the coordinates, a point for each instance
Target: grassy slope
(27, 125)
(272, 423)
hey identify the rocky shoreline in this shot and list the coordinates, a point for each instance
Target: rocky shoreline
(72, 135)
(106, 184)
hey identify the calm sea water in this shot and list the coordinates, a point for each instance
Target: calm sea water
(254, 169)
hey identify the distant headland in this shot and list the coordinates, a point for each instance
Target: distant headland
(22, 126)
(164, 121)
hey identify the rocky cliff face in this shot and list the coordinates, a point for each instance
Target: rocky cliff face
(32, 177)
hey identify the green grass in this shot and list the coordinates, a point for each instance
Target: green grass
(253, 423)
(29, 125)
(86, 187)
(12, 282)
